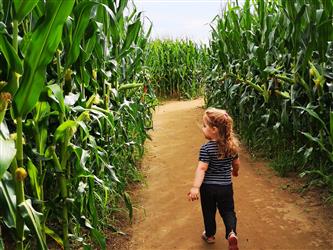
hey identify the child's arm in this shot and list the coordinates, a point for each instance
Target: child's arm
(198, 179)
(235, 167)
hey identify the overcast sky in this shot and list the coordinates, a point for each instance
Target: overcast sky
(181, 18)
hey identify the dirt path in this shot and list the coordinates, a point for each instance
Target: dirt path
(270, 216)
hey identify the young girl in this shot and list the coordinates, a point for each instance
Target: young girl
(218, 159)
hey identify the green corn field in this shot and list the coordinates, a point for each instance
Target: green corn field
(177, 68)
(79, 114)
(79, 81)
(273, 64)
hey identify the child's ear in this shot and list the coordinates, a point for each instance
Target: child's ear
(215, 129)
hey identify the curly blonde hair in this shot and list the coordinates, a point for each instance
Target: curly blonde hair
(228, 143)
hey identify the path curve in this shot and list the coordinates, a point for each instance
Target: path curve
(269, 215)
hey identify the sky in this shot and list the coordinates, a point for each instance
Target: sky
(181, 19)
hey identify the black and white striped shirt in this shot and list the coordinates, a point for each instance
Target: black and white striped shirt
(219, 170)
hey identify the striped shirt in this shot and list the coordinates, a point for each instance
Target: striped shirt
(219, 170)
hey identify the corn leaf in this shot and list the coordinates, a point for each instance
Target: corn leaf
(57, 96)
(316, 140)
(128, 204)
(130, 86)
(132, 33)
(7, 154)
(32, 219)
(54, 236)
(44, 42)
(33, 175)
(13, 60)
(91, 199)
(82, 13)
(315, 115)
(23, 8)
(99, 238)
(8, 200)
(89, 46)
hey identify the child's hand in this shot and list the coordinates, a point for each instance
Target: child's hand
(234, 173)
(193, 194)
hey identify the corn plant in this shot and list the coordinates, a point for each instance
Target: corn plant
(177, 68)
(74, 116)
(272, 68)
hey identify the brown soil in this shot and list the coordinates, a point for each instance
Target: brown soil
(271, 214)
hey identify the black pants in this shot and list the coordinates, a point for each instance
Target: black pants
(221, 197)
